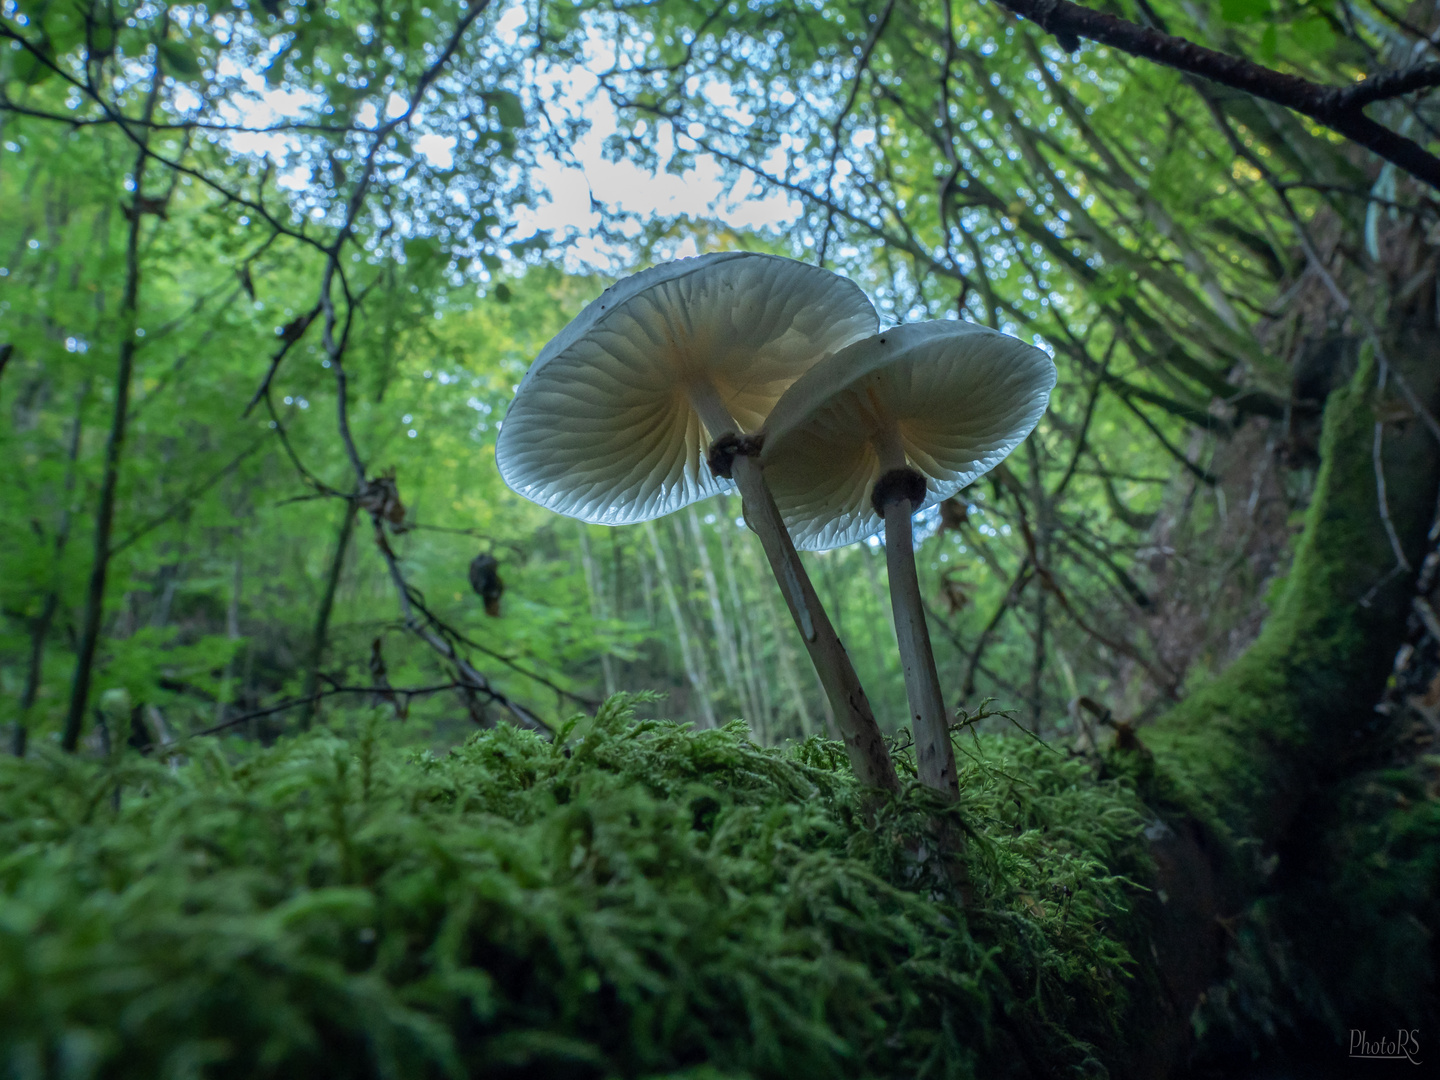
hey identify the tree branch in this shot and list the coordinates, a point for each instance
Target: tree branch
(190, 495)
(293, 703)
(1012, 594)
(1340, 108)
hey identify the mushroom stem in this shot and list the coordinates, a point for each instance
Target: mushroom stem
(934, 753)
(869, 757)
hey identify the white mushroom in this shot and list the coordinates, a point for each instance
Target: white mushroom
(889, 426)
(615, 420)
(609, 424)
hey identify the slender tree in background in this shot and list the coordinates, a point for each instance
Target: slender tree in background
(323, 612)
(40, 627)
(597, 602)
(128, 332)
(692, 659)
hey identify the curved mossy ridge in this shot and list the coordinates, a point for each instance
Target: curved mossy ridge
(1321, 869)
(634, 900)
(1243, 751)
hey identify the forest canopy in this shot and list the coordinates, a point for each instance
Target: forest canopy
(254, 201)
(271, 273)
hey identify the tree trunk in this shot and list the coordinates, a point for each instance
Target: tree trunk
(1236, 763)
(881, 595)
(751, 661)
(1042, 555)
(232, 628)
(320, 638)
(694, 670)
(597, 603)
(725, 636)
(789, 670)
(40, 628)
(114, 445)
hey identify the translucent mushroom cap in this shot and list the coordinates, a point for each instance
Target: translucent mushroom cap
(962, 396)
(602, 427)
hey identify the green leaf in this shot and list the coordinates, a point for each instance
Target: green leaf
(1268, 44)
(29, 68)
(509, 109)
(420, 250)
(102, 39)
(64, 28)
(1314, 36)
(179, 60)
(503, 293)
(1244, 11)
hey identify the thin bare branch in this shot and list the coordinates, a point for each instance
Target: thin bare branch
(1340, 108)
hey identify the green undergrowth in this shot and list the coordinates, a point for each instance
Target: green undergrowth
(635, 899)
(1345, 937)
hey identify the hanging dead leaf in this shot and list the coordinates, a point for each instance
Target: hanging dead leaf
(954, 592)
(485, 580)
(1393, 410)
(953, 514)
(380, 497)
(292, 331)
(146, 204)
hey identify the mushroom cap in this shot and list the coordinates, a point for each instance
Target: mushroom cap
(963, 396)
(602, 428)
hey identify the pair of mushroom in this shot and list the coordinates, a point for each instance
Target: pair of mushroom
(766, 374)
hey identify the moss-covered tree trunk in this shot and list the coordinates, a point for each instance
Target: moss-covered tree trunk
(1235, 770)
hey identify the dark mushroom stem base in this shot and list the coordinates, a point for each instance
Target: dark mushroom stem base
(896, 495)
(869, 757)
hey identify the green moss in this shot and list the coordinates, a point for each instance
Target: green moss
(1344, 937)
(637, 899)
(1235, 754)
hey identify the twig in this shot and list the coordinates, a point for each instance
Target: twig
(190, 494)
(455, 635)
(310, 478)
(1100, 377)
(293, 703)
(1427, 616)
(1380, 496)
(1312, 257)
(1430, 39)
(1012, 594)
(8, 105)
(864, 62)
(292, 332)
(1166, 681)
(429, 629)
(1203, 475)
